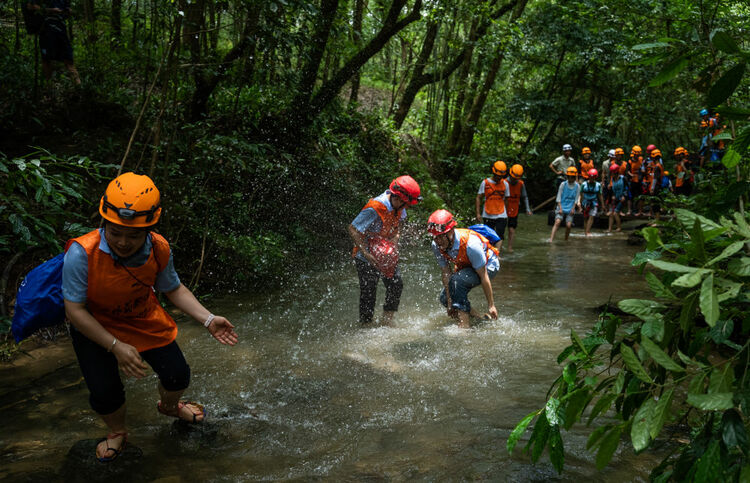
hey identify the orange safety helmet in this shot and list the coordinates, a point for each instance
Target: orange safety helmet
(655, 153)
(619, 151)
(636, 150)
(440, 221)
(571, 171)
(680, 150)
(131, 200)
(516, 171)
(406, 189)
(500, 168)
(586, 151)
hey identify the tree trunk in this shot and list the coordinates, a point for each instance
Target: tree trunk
(116, 22)
(359, 8)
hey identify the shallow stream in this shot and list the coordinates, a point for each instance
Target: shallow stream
(308, 394)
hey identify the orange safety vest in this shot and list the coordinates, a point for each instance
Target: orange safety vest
(389, 220)
(494, 196)
(679, 180)
(126, 307)
(635, 166)
(462, 258)
(585, 167)
(514, 200)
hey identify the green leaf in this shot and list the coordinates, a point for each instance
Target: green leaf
(722, 137)
(708, 466)
(575, 406)
(577, 341)
(518, 431)
(686, 217)
(660, 413)
(556, 450)
(726, 85)
(551, 410)
(724, 42)
(658, 355)
(727, 289)
(742, 226)
(539, 437)
(709, 302)
(672, 267)
(619, 382)
(698, 242)
(745, 474)
(565, 353)
(690, 279)
(639, 431)
(632, 362)
(650, 45)
(731, 158)
(608, 446)
(670, 71)
(687, 312)
(596, 436)
(569, 373)
(601, 406)
(721, 380)
(653, 327)
(651, 235)
(727, 252)
(711, 402)
(740, 267)
(658, 288)
(733, 113)
(640, 307)
(733, 430)
(642, 257)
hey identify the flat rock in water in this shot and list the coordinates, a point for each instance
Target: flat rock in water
(81, 464)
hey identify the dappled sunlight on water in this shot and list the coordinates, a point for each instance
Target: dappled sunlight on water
(308, 393)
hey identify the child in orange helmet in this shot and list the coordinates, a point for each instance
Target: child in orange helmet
(108, 283)
(493, 193)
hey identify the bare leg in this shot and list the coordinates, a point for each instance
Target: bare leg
(387, 319)
(463, 319)
(619, 222)
(589, 224)
(554, 229)
(568, 226)
(116, 423)
(73, 72)
(609, 229)
(511, 235)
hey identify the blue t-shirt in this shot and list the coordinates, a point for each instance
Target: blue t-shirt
(368, 220)
(590, 192)
(474, 250)
(618, 188)
(75, 276)
(566, 195)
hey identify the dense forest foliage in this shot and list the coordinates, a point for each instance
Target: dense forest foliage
(267, 124)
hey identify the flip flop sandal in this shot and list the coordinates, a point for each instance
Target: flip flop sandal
(116, 451)
(180, 405)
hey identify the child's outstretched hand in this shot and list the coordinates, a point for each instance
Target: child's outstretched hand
(223, 331)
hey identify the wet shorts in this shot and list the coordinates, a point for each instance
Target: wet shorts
(568, 217)
(589, 210)
(513, 221)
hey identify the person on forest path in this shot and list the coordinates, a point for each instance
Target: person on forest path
(490, 203)
(619, 197)
(54, 43)
(108, 283)
(656, 172)
(377, 224)
(632, 171)
(683, 184)
(568, 199)
(591, 199)
(560, 164)
(605, 170)
(466, 259)
(711, 127)
(517, 192)
(585, 165)
(646, 175)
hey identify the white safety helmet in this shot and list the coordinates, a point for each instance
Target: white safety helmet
(567, 147)
(611, 153)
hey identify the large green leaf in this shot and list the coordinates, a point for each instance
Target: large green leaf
(726, 85)
(653, 327)
(632, 362)
(733, 430)
(687, 312)
(650, 45)
(642, 257)
(740, 267)
(575, 406)
(672, 267)
(640, 307)
(552, 411)
(724, 42)
(556, 450)
(698, 245)
(518, 431)
(686, 217)
(733, 113)
(670, 71)
(711, 402)
(731, 158)
(709, 301)
(658, 288)
(601, 406)
(607, 447)
(721, 379)
(660, 356)
(708, 467)
(742, 226)
(727, 252)
(660, 413)
(539, 437)
(639, 430)
(690, 279)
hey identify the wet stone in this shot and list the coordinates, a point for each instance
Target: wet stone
(82, 466)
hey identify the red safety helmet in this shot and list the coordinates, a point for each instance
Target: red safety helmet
(439, 222)
(407, 189)
(593, 173)
(613, 168)
(131, 200)
(386, 255)
(650, 148)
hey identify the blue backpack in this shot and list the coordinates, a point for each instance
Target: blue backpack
(487, 232)
(39, 302)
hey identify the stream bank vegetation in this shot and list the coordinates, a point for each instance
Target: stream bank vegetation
(672, 370)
